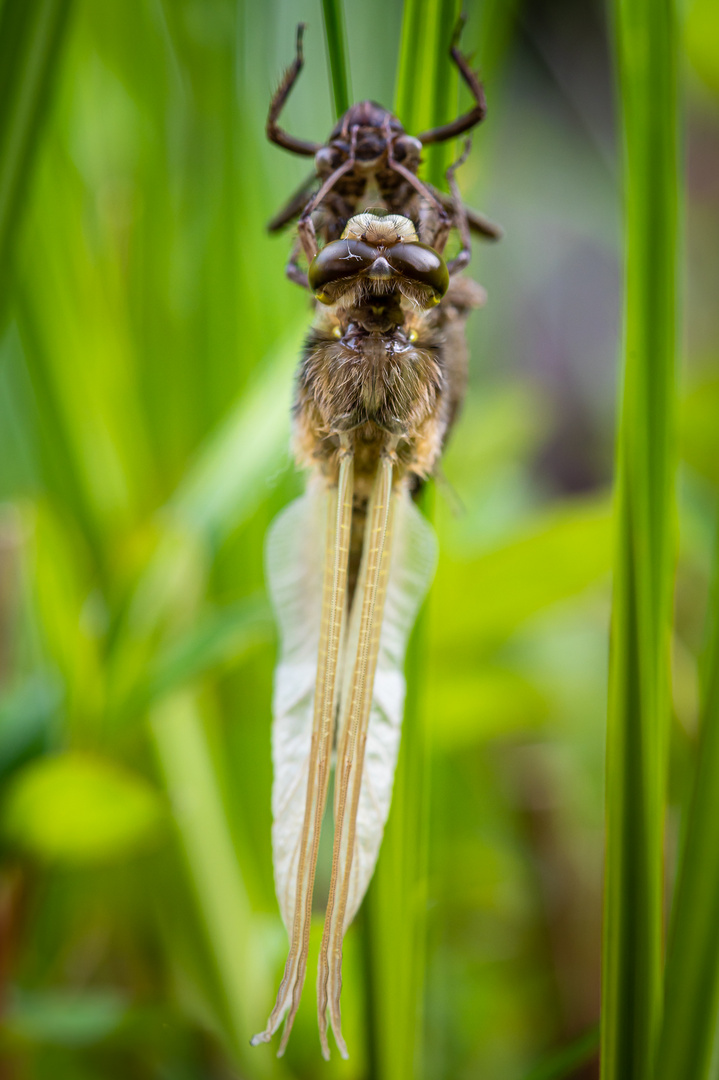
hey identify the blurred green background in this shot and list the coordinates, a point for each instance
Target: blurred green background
(148, 340)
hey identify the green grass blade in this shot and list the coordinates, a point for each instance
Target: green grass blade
(336, 44)
(691, 998)
(413, 91)
(638, 690)
(30, 44)
(445, 97)
(427, 82)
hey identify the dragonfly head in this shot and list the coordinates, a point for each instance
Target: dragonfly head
(378, 254)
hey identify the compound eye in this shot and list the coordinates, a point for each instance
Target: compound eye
(326, 160)
(420, 263)
(407, 148)
(338, 260)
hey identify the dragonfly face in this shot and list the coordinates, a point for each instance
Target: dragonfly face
(378, 256)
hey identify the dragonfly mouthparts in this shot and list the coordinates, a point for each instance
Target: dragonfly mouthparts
(380, 270)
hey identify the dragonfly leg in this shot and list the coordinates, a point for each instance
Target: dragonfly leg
(476, 114)
(274, 132)
(459, 214)
(293, 270)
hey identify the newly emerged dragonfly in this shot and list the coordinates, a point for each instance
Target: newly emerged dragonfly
(349, 564)
(370, 160)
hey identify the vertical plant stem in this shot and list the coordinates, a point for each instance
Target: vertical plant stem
(336, 44)
(415, 73)
(691, 998)
(31, 36)
(427, 80)
(641, 615)
(445, 96)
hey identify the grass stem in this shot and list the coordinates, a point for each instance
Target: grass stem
(336, 43)
(641, 615)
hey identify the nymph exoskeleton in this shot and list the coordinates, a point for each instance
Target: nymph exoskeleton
(349, 564)
(369, 160)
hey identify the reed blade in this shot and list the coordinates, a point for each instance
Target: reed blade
(336, 44)
(642, 596)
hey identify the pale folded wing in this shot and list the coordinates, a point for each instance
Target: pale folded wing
(294, 556)
(412, 564)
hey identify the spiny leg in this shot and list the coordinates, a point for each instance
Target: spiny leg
(350, 754)
(333, 605)
(274, 132)
(476, 114)
(460, 215)
(293, 270)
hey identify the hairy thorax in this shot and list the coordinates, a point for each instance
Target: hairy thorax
(371, 378)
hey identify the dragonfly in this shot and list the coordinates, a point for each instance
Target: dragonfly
(369, 159)
(349, 563)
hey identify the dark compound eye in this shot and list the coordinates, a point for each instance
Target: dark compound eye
(406, 147)
(340, 259)
(328, 158)
(420, 263)
(347, 258)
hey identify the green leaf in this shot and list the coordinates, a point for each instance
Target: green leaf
(641, 616)
(472, 703)
(76, 808)
(482, 601)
